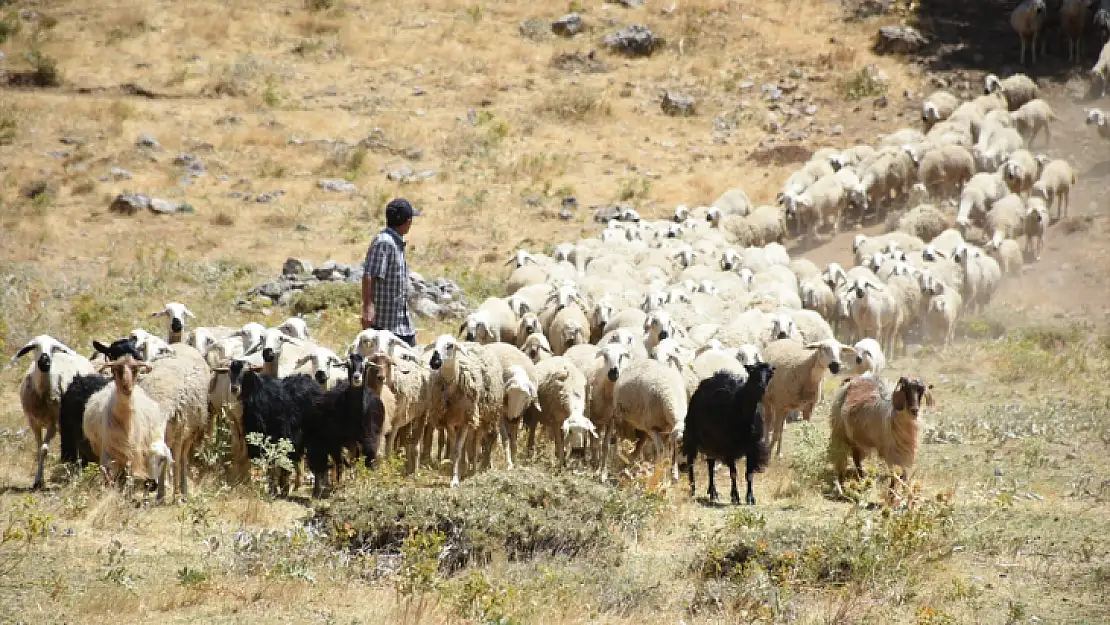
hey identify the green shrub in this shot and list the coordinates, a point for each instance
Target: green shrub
(520, 514)
(329, 295)
(862, 84)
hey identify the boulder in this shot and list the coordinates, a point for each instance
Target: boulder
(568, 25)
(678, 104)
(899, 40)
(634, 40)
(296, 267)
(129, 203)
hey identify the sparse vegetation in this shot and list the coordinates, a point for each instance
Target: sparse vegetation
(864, 83)
(327, 296)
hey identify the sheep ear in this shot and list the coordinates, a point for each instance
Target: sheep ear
(23, 351)
(812, 345)
(462, 329)
(189, 314)
(898, 399)
(100, 347)
(302, 360)
(160, 313)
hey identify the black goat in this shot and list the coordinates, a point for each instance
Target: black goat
(349, 416)
(274, 408)
(75, 447)
(725, 422)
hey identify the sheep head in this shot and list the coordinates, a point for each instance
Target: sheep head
(991, 84)
(573, 333)
(578, 422)
(749, 354)
(759, 376)
(520, 392)
(175, 313)
(730, 260)
(356, 368)
(270, 345)
(379, 369)
(681, 213)
(294, 327)
(445, 350)
(322, 360)
(659, 325)
(117, 349)
(235, 371)
(908, 394)
(713, 216)
(44, 347)
(827, 353)
(614, 355)
(124, 371)
(602, 312)
(535, 346)
(783, 327)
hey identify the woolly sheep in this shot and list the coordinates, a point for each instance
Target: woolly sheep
(1005, 217)
(941, 313)
(520, 394)
(1101, 70)
(175, 314)
(561, 388)
(1033, 226)
(569, 327)
(801, 179)
(877, 312)
(938, 107)
(945, 170)
(853, 156)
(994, 148)
(1055, 185)
(1006, 252)
(295, 327)
(725, 422)
(1033, 117)
(796, 384)
(323, 365)
(818, 297)
(981, 277)
(869, 356)
(476, 391)
(649, 397)
(901, 137)
(979, 195)
(825, 198)
(1020, 171)
(867, 417)
(493, 322)
(923, 221)
(40, 393)
(885, 175)
(765, 224)
(1015, 90)
(733, 202)
(124, 426)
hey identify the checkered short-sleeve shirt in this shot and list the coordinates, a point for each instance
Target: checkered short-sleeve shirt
(385, 260)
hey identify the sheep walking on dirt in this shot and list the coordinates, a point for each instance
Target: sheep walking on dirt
(1027, 20)
(796, 384)
(866, 416)
(1101, 70)
(1073, 21)
(725, 422)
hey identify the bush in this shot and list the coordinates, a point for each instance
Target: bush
(330, 295)
(520, 514)
(862, 84)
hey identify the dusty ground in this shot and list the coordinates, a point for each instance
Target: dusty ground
(1017, 444)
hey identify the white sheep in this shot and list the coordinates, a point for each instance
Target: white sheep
(493, 322)
(1101, 70)
(324, 365)
(561, 387)
(1034, 224)
(150, 347)
(823, 199)
(1005, 217)
(979, 194)
(40, 393)
(982, 276)
(1020, 171)
(1015, 90)
(733, 202)
(537, 347)
(295, 327)
(648, 397)
(945, 170)
(1006, 252)
(1033, 117)
(126, 427)
(869, 356)
(995, 147)
(876, 312)
(938, 107)
(175, 314)
(1097, 118)
(1054, 185)
(924, 221)
(799, 370)
(569, 328)
(475, 392)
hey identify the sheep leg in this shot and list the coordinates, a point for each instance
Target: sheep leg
(532, 439)
(734, 493)
(42, 444)
(560, 445)
(690, 472)
(509, 445)
(710, 468)
(606, 445)
(460, 443)
(1022, 61)
(857, 459)
(780, 423)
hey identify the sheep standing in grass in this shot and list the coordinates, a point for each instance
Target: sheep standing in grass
(562, 398)
(725, 422)
(649, 397)
(866, 416)
(1054, 185)
(475, 392)
(941, 313)
(126, 427)
(796, 384)
(40, 393)
(1027, 20)
(175, 314)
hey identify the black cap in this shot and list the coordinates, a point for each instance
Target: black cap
(398, 211)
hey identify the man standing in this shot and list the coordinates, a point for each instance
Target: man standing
(385, 275)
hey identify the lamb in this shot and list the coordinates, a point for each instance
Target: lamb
(351, 416)
(1031, 118)
(1073, 20)
(941, 314)
(869, 356)
(1006, 252)
(938, 107)
(1054, 185)
(475, 391)
(1101, 70)
(865, 417)
(981, 277)
(1034, 223)
(493, 322)
(1017, 89)
(175, 314)
(924, 221)
(274, 408)
(649, 397)
(1100, 121)
(561, 387)
(1020, 171)
(537, 348)
(725, 422)
(1005, 218)
(945, 170)
(294, 327)
(126, 427)
(54, 368)
(796, 384)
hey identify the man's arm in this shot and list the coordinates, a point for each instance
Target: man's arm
(367, 300)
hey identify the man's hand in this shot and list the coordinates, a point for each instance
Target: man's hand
(367, 316)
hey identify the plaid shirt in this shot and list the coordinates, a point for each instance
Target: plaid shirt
(385, 260)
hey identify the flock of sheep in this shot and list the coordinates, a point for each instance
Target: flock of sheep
(698, 334)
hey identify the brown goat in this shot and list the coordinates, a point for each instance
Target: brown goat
(866, 417)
